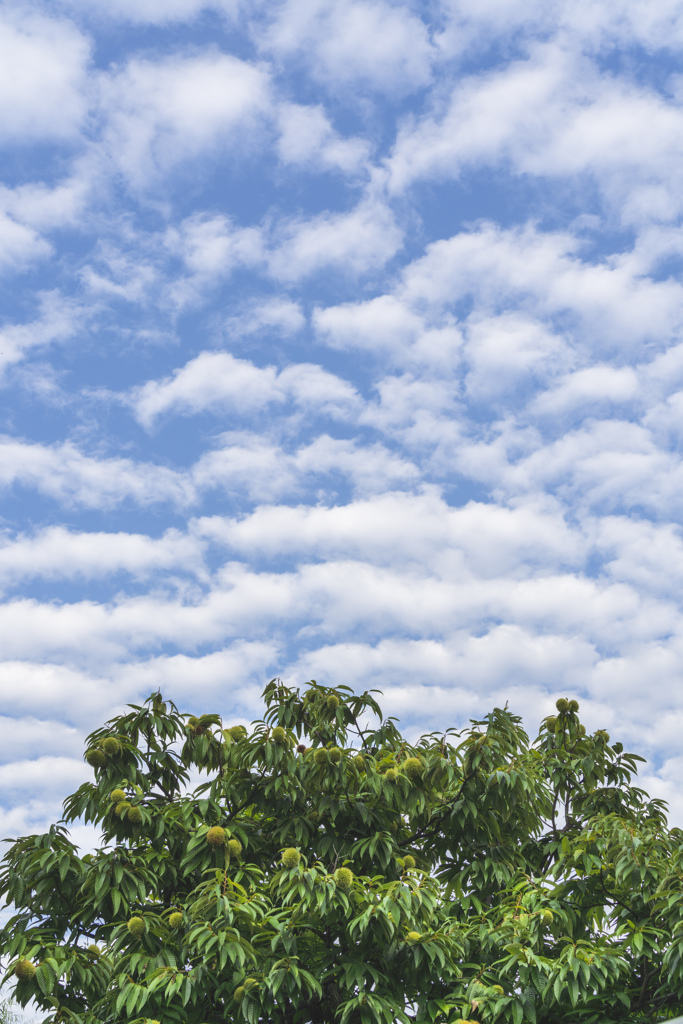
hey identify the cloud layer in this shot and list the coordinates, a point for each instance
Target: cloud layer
(342, 340)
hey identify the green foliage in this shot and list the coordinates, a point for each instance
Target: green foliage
(346, 876)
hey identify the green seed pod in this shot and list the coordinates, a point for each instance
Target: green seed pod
(551, 722)
(413, 767)
(176, 919)
(136, 926)
(333, 702)
(24, 970)
(335, 755)
(344, 878)
(234, 848)
(237, 732)
(117, 795)
(562, 704)
(413, 936)
(238, 994)
(291, 857)
(359, 762)
(279, 735)
(408, 862)
(547, 916)
(216, 836)
(321, 756)
(134, 816)
(602, 736)
(121, 808)
(391, 775)
(582, 730)
(94, 950)
(111, 746)
(96, 758)
(573, 705)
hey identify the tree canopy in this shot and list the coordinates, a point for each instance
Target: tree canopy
(319, 867)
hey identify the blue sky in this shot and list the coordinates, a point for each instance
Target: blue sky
(340, 340)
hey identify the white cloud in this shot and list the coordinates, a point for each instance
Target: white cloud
(389, 328)
(219, 382)
(20, 245)
(606, 465)
(58, 553)
(504, 352)
(282, 315)
(40, 206)
(589, 25)
(43, 63)
(85, 697)
(370, 45)
(248, 463)
(554, 113)
(593, 386)
(398, 528)
(308, 139)
(161, 113)
(59, 320)
(647, 555)
(64, 473)
(362, 240)
(286, 249)
(29, 209)
(50, 775)
(211, 246)
(613, 300)
(212, 380)
(28, 736)
(380, 324)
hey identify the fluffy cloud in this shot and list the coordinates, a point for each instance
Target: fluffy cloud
(220, 382)
(248, 464)
(210, 247)
(57, 553)
(365, 44)
(20, 245)
(162, 112)
(63, 473)
(42, 77)
(280, 315)
(307, 138)
(59, 320)
(362, 240)
(552, 113)
(614, 300)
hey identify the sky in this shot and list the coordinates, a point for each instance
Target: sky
(340, 339)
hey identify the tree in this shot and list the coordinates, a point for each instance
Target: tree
(327, 870)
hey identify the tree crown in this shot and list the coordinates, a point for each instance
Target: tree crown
(326, 869)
